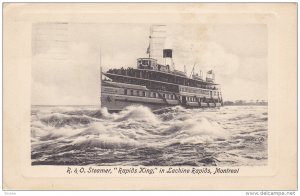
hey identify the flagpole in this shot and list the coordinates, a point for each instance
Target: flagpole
(149, 48)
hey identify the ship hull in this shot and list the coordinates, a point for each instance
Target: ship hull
(116, 103)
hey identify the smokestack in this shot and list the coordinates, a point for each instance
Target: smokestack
(167, 53)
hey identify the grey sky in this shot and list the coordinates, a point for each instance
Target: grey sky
(65, 61)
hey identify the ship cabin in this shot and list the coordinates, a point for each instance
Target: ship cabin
(197, 77)
(150, 63)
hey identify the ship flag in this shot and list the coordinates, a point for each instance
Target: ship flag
(148, 49)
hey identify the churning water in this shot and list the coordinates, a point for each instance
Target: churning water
(87, 135)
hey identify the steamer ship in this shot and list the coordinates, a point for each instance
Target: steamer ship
(157, 85)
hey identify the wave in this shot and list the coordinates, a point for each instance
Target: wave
(137, 113)
(61, 120)
(104, 142)
(98, 113)
(72, 118)
(137, 131)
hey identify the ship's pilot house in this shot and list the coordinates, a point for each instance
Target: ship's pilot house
(150, 63)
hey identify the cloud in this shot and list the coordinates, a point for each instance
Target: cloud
(241, 88)
(254, 68)
(215, 57)
(68, 78)
(70, 74)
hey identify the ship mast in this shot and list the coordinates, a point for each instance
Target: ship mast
(192, 72)
(150, 42)
(156, 40)
(100, 63)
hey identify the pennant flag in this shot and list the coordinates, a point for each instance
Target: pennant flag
(148, 49)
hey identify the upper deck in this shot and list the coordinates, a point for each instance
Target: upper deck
(159, 77)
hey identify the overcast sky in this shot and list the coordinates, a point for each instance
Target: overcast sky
(66, 57)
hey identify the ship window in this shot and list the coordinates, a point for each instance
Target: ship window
(145, 62)
(131, 92)
(139, 62)
(137, 93)
(125, 91)
(143, 94)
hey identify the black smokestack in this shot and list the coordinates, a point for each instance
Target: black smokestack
(167, 53)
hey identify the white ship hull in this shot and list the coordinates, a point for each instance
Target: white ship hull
(114, 100)
(115, 103)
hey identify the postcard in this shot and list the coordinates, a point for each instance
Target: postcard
(150, 96)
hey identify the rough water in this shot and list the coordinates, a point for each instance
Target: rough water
(88, 135)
